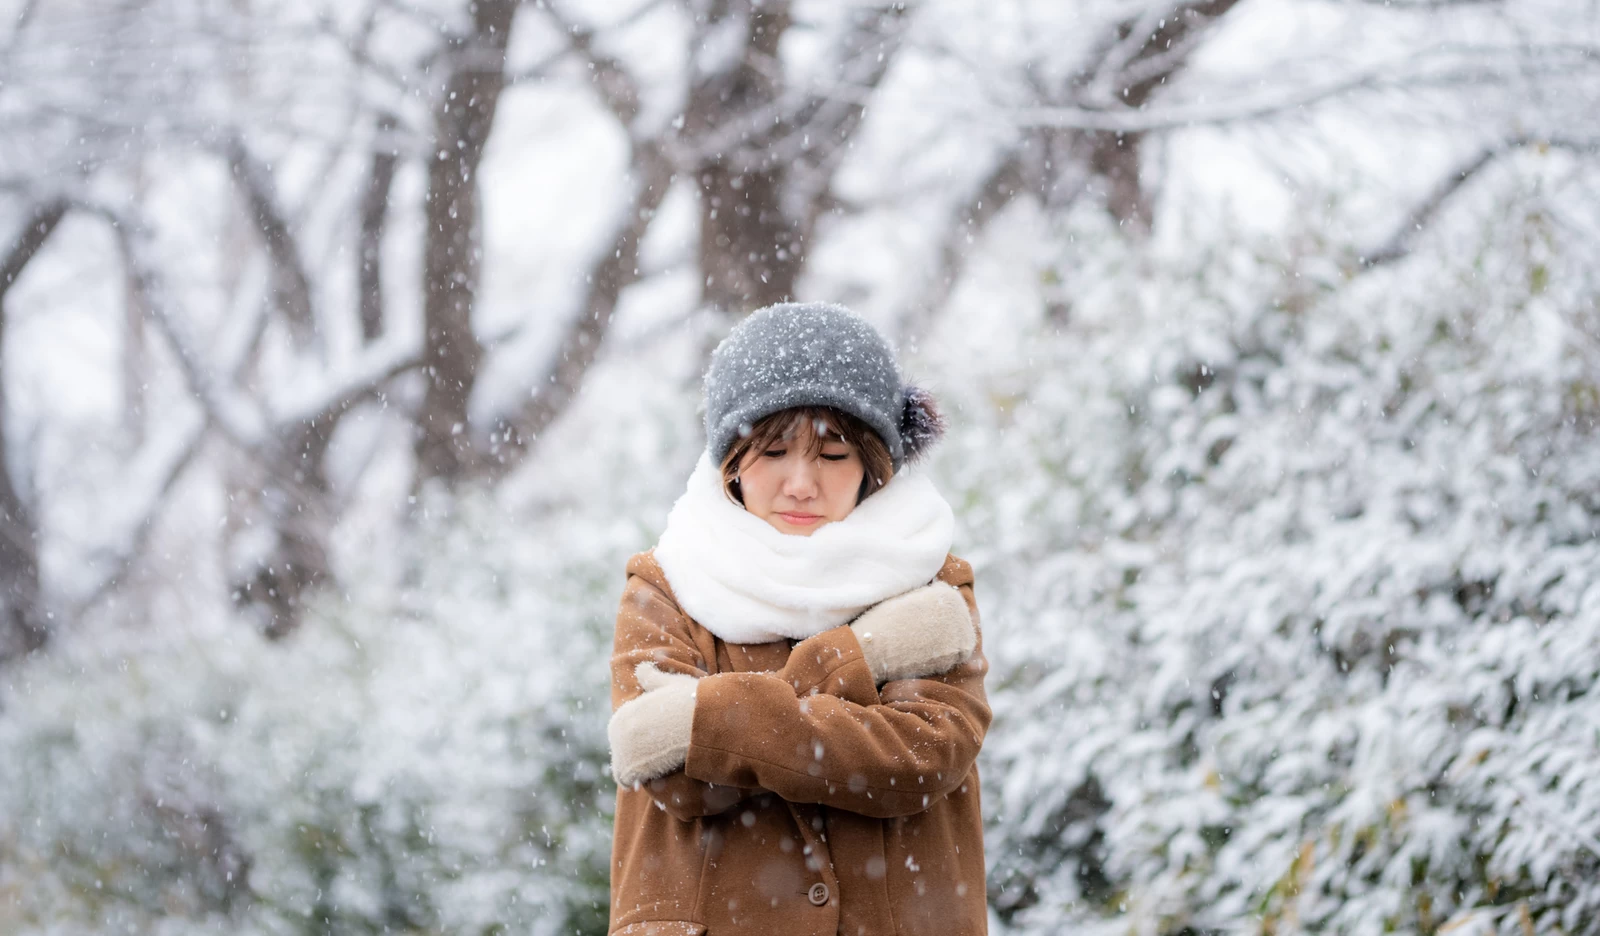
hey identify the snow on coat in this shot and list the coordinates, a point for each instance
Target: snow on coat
(813, 801)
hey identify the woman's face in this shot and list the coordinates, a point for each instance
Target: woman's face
(797, 489)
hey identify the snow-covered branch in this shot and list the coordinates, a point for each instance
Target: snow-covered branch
(235, 417)
(364, 381)
(35, 230)
(582, 41)
(1406, 74)
(1400, 243)
(291, 287)
(615, 269)
(610, 78)
(146, 486)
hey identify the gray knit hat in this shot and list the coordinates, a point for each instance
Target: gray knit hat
(814, 354)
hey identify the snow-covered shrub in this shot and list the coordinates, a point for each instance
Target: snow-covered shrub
(1291, 575)
(428, 760)
(425, 754)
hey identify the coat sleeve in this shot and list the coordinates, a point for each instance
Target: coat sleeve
(820, 731)
(651, 629)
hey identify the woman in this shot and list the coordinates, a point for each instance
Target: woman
(797, 680)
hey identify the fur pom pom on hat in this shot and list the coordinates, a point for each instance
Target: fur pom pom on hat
(814, 354)
(921, 423)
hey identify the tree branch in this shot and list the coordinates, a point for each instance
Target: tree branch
(1125, 75)
(365, 381)
(541, 68)
(616, 269)
(41, 223)
(611, 80)
(1006, 181)
(822, 138)
(291, 287)
(1427, 5)
(23, 627)
(1148, 72)
(1405, 236)
(244, 427)
(1406, 74)
(167, 473)
(20, 24)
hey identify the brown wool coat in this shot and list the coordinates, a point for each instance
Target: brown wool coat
(813, 801)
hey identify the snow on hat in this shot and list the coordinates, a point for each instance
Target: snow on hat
(814, 354)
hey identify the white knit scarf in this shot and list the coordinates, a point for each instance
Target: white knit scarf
(748, 583)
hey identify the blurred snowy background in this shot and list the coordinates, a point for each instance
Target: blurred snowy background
(350, 347)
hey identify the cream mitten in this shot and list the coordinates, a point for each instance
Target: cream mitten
(920, 633)
(650, 733)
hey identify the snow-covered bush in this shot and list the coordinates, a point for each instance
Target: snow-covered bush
(1291, 575)
(428, 760)
(426, 754)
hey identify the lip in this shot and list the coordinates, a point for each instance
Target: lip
(799, 519)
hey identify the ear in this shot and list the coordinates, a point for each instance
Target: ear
(921, 423)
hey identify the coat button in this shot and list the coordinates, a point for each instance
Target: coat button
(819, 894)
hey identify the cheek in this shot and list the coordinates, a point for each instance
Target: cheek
(844, 485)
(756, 484)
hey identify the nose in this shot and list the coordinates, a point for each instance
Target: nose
(800, 481)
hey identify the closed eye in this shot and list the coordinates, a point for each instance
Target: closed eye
(775, 453)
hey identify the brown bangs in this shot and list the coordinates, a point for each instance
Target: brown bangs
(814, 425)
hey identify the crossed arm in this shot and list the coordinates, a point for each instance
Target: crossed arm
(820, 730)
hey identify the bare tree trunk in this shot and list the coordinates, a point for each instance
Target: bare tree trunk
(23, 627)
(297, 516)
(1114, 158)
(374, 218)
(1144, 53)
(751, 250)
(462, 121)
(768, 153)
